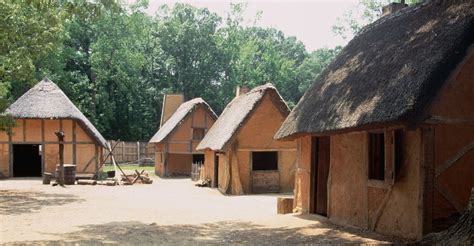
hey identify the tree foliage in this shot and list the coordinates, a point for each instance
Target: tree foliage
(115, 62)
(365, 12)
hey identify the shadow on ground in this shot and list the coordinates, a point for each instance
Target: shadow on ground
(138, 233)
(21, 202)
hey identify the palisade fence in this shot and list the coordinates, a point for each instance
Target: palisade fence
(131, 152)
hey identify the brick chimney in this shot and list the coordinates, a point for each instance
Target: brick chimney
(393, 7)
(240, 90)
(171, 102)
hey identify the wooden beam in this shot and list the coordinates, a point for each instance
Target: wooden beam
(448, 196)
(273, 149)
(436, 119)
(46, 142)
(24, 129)
(74, 147)
(427, 178)
(449, 162)
(43, 148)
(10, 154)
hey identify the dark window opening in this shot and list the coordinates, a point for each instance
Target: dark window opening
(198, 158)
(265, 160)
(377, 156)
(398, 151)
(198, 133)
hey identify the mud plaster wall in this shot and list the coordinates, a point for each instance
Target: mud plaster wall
(456, 100)
(181, 139)
(179, 164)
(257, 135)
(458, 179)
(400, 215)
(455, 106)
(348, 177)
(30, 131)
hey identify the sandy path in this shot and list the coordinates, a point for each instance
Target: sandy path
(170, 211)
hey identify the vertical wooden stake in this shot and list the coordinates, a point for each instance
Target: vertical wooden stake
(60, 136)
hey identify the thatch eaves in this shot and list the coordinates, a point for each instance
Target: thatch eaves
(236, 113)
(178, 117)
(47, 101)
(390, 72)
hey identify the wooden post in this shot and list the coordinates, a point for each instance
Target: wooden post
(138, 151)
(123, 151)
(60, 136)
(427, 180)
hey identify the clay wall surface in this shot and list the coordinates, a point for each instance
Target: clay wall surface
(455, 103)
(179, 164)
(257, 135)
(454, 169)
(30, 131)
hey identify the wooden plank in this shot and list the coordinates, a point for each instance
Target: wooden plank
(46, 142)
(43, 147)
(10, 154)
(271, 149)
(427, 181)
(74, 147)
(24, 130)
(449, 162)
(435, 119)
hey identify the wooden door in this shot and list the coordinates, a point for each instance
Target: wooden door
(319, 174)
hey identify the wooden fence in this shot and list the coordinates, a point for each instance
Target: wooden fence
(131, 152)
(197, 171)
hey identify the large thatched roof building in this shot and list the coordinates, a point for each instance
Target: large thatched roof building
(32, 146)
(179, 134)
(386, 132)
(241, 155)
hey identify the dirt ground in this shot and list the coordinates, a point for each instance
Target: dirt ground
(170, 211)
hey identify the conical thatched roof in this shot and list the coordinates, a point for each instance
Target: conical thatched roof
(235, 115)
(179, 116)
(390, 72)
(47, 101)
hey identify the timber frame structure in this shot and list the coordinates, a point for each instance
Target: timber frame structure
(241, 155)
(39, 113)
(386, 133)
(182, 128)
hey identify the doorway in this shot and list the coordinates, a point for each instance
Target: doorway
(319, 175)
(26, 160)
(215, 180)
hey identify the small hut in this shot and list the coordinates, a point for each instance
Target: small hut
(241, 155)
(31, 148)
(386, 133)
(183, 125)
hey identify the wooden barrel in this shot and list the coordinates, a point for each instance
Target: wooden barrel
(69, 173)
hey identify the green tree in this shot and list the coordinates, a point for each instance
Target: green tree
(364, 13)
(30, 30)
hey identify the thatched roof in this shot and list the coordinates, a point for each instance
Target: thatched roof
(178, 117)
(388, 73)
(47, 101)
(235, 115)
